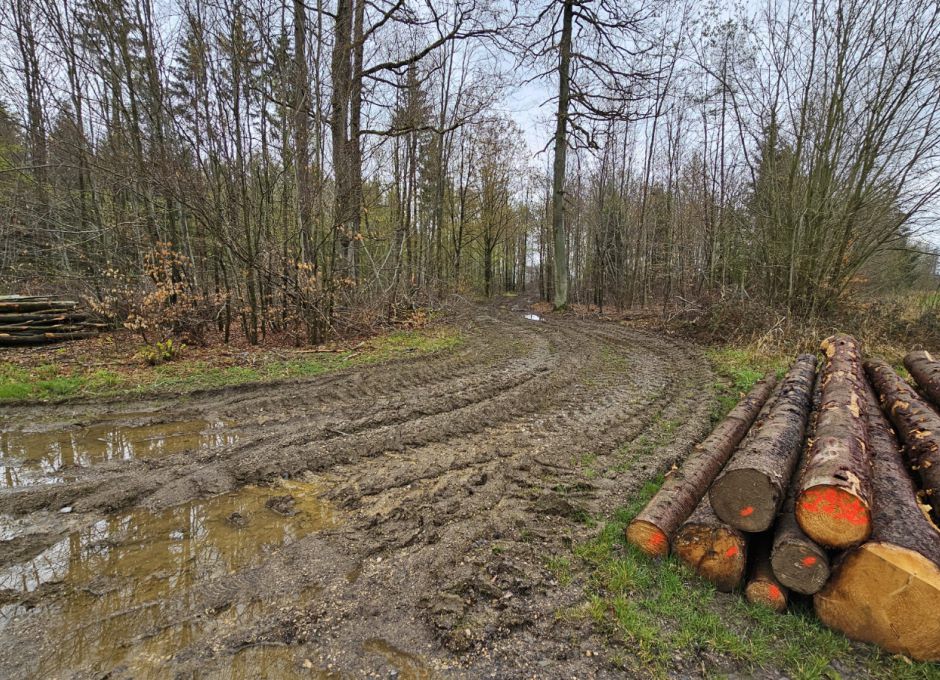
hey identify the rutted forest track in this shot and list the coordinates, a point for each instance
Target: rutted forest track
(451, 479)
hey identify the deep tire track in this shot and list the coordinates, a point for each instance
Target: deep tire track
(436, 463)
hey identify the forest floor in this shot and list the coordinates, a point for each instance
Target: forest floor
(445, 503)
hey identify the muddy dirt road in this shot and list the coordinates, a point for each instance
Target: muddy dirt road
(389, 521)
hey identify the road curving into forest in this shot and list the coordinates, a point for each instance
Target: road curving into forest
(444, 484)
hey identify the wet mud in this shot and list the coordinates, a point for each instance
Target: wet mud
(51, 455)
(389, 521)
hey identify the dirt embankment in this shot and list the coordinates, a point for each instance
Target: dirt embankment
(427, 498)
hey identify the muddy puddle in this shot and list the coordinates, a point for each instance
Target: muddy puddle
(43, 457)
(123, 591)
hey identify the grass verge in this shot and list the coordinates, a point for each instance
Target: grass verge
(660, 620)
(738, 368)
(49, 378)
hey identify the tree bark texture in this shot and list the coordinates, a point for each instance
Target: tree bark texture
(917, 424)
(799, 563)
(653, 529)
(754, 484)
(925, 369)
(833, 505)
(887, 591)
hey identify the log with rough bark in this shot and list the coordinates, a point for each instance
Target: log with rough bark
(887, 591)
(717, 552)
(798, 562)
(833, 505)
(38, 319)
(36, 305)
(653, 529)
(925, 369)
(754, 483)
(762, 585)
(42, 338)
(918, 426)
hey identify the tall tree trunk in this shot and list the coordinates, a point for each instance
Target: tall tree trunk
(561, 152)
(302, 133)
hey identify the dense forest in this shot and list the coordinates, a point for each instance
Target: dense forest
(308, 168)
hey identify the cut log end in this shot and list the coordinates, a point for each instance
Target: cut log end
(766, 594)
(745, 499)
(886, 595)
(717, 554)
(801, 566)
(648, 538)
(833, 516)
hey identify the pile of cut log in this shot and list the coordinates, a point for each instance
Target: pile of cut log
(805, 490)
(41, 319)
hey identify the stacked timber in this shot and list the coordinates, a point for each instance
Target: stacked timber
(917, 424)
(763, 586)
(804, 489)
(887, 590)
(715, 550)
(41, 319)
(925, 369)
(754, 484)
(800, 564)
(833, 505)
(653, 529)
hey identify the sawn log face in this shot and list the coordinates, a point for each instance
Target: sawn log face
(754, 483)
(654, 528)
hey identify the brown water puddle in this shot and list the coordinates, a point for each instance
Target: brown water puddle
(37, 457)
(127, 582)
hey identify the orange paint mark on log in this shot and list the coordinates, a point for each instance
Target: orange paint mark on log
(808, 561)
(775, 592)
(838, 504)
(732, 551)
(747, 512)
(657, 540)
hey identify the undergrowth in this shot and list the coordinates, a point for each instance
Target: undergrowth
(887, 326)
(51, 381)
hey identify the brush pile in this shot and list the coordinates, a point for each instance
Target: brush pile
(41, 319)
(826, 484)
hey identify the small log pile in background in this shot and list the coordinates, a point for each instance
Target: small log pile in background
(804, 488)
(41, 319)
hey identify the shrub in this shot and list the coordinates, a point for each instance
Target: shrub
(161, 352)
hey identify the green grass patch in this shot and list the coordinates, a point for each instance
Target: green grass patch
(586, 462)
(644, 446)
(560, 568)
(739, 369)
(48, 381)
(653, 611)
